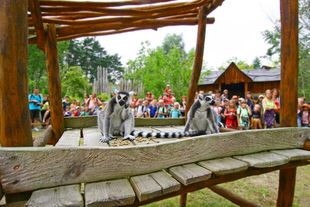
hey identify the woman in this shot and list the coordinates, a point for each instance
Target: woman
(149, 97)
(269, 107)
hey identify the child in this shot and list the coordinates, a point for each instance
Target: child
(84, 111)
(231, 116)
(162, 111)
(304, 116)
(175, 111)
(218, 109)
(153, 108)
(256, 120)
(244, 113)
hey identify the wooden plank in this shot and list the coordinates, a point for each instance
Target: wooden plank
(90, 121)
(35, 10)
(54, 86)
(190, 173)
(167, 183)
(224, 166)
(294, 154)
(1, 192)
(91, 137)
(145, 187)
(15, 127)
(263, 159)
(43, 139)
(63, 165)
(60, 196)
(109, 193)
(201, 33)
(69, 138)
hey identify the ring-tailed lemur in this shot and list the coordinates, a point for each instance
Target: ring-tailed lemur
(117, 119)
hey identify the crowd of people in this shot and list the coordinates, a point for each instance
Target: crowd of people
(249, 112)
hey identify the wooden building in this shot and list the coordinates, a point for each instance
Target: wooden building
(238, 81)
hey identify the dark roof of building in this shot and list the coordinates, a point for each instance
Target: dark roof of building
(256, 75)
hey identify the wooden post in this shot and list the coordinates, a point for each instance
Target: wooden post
(54, 86)
(15, 129)
(246, 88)
(288, 88)
(198, 57)
(183, 198)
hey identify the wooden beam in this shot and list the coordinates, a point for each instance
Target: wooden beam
(198, 57)
(70, 165)
(43, 139)
(34, 8)
(289, 82)
(232, 197)
(15, 129)
(54, 86)
(183, 199)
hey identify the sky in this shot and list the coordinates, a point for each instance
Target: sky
(237, 32)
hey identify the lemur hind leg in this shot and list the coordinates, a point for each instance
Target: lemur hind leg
(127, 128)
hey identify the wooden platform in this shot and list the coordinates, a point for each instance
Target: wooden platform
(147, 170)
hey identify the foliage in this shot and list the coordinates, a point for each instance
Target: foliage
(243, 65)
(89, 55)
(37, 73)
(167, 64)
(273, 38)
(103, 97)
(74, 82)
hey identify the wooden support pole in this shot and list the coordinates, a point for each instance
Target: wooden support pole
(289, 89)
(15, 129)
(183, 199)
(232, 197)
(198, 57)
(54, 86)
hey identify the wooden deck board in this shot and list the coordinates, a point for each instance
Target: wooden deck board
(294, 154)
(109, 193)
(167, 182)
(224, 166)
(145, 187)
(190, 173)
(263, 159)
(69, 138)
(91, 137)
(60, 196)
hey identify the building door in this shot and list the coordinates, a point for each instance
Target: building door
(234, 89)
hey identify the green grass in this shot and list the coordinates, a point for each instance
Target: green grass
(262, 189)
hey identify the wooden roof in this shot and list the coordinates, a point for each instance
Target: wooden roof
(77, 18)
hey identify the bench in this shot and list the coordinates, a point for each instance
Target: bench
(77, 173)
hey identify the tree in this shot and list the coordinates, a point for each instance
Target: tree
(89, 55)
(273, 38)
(74, 82)
(167, 64)
(37, 72)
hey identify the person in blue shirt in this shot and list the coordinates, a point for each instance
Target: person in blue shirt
(175, 111)
(153, 109)
(35, 102)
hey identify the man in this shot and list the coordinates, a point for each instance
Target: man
(35, 103)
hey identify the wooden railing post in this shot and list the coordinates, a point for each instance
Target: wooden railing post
(54, 86)
(198, 57)
(15, 129)
(183, 199)
(288, 90)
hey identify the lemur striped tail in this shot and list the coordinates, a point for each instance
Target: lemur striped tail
(167, 134)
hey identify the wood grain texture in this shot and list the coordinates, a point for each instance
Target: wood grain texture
(69, 138)
(54, 86)
(15, 127)
(145, 187)
(69, 196)
(109, 193)
(289, 62)
(35, 10)
(167, 183)
(294, 154)
(32, 168)
(263, 159)
(92, 136)
(224, 166)
(190, 173)
(43, 139)
(201, 33)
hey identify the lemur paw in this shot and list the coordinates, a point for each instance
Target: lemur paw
(130, 137)
(104, 139)
(111, 136)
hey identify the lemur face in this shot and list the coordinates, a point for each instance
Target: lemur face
(122, 98)
(206, 99)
